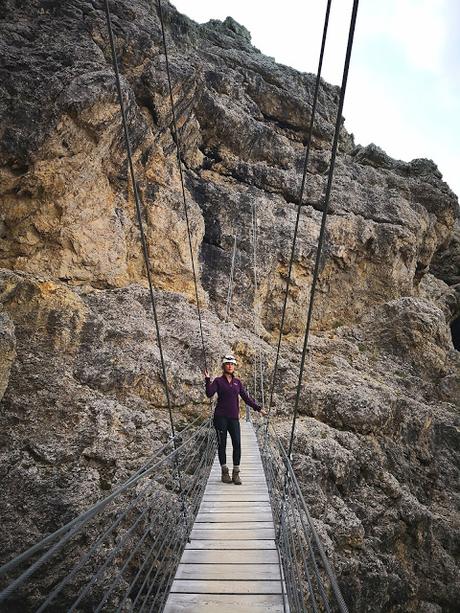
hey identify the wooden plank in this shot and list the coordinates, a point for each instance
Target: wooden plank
(237, 506)
(246, 462)
(261, 499)
(235, 510)
(250, 466)
(237, 491)
(256, 476)
(247, 451)
(240, 491)
(252, 477)
(234, 516)
(249, 470)
(234, 525)
(244, 466)
(231, 572)
(228, 535)
(226, 587)
(224, 603)
(216, 477)
(252, 469)
(224, 487)
(254, 464)
(231, 562)
(255, 468)
(265, 544)
(229, 487)
(232, 498)
(230, 556)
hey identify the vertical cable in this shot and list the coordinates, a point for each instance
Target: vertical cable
(230, 282)
(257, 355)
(299, 206)
(184, 199)
(145, 251)
(319, 249)
(327, 197)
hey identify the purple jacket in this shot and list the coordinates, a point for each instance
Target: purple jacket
(227, 396)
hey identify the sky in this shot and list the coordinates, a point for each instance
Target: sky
(403, 91)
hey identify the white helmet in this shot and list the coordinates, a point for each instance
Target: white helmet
(228, 359)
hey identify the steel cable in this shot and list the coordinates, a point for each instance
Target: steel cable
(179, 163)
(164, 539)
(292, 497)
(299, 205)
(258, 364)
(208, 458)
(322, 553)
(324, 215)
(145, 251)
(102, 537)
(311, 552)
(121, 544)
(322, 230)
(143, 471)
(173, 568)
(138, 204)
(88, 554)
(74, 526)
(230, 281)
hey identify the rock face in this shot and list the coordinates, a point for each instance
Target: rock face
(7, 350)
(378, 444)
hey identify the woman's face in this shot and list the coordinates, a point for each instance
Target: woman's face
(229, 368)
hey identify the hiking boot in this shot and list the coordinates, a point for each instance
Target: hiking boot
(225, 475)
(236, 476)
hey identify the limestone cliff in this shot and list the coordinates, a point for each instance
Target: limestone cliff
(377, 446)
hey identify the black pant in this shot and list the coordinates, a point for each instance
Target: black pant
(223, 425)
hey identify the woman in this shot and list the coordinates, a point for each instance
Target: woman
(227, 413)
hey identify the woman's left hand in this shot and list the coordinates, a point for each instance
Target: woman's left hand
(263, 412)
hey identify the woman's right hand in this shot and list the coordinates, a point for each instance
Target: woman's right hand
(206, 374)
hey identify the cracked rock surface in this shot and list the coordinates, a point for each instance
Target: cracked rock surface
(82, 400)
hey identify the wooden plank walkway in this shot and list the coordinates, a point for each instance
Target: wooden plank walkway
(231, 563)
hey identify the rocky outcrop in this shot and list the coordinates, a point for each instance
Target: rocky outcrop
(446, 261)
(7, 350)
(377, 448)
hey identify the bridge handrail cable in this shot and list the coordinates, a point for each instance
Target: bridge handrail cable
(58, 539)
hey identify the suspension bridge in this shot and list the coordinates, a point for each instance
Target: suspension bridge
(173, 537)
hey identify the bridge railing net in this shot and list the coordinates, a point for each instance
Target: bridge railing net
(122, 553)
(310, 582)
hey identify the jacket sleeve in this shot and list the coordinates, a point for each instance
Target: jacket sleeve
(211, 388)
(247, 398)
